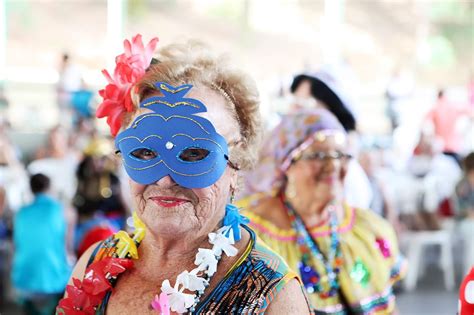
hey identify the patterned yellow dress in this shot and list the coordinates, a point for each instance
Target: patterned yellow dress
(371, 262)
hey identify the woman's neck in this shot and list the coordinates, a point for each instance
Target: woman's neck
(177, 253)
(320, 211)
(322, 215)
(169, 257)
(274, 210)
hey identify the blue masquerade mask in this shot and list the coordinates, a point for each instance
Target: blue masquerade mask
(172, 141)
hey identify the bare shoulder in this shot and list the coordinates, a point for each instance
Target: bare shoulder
(290, 300)
(81, 265)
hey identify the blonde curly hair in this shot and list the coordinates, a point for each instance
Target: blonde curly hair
(193, 63)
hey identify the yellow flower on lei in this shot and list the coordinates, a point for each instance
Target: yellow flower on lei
(126, 245)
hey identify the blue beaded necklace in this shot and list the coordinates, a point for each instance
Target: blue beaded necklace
(326, 285)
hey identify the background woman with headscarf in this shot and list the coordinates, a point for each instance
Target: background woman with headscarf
(323, 90)
(347, 257)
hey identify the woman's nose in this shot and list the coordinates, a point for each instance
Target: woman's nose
(165, 182)
(329, 164)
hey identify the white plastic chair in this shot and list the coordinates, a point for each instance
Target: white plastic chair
(416, 242)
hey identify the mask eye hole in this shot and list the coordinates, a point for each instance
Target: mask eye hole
(193, 154)
(144, 154)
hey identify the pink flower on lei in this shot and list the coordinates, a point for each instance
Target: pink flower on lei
(130, 67)
(161, 304)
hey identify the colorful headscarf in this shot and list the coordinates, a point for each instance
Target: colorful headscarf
(294, 134)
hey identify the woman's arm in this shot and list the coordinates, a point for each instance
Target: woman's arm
(290, 300)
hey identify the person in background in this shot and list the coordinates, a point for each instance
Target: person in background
(3, 237)
(429, 179)
(399, 89)
(81, 103)
(59, 162)
(464, 201)
(381, 202)
(444, 117)
(69, 81)
(83, 134)
(98, 200)
(13, 177)
(13, 192)
(347, 257)
(465, 188)
(3, 100)
(322, 90)
(40, 269)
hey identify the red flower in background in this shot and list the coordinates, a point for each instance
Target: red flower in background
(130, 67)
(466, 295)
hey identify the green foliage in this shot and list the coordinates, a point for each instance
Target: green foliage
(453, 21)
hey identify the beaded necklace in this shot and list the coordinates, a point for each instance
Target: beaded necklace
(325, 285)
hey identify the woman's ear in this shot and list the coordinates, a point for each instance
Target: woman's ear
(234, 181)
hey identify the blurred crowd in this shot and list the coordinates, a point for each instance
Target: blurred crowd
(76, 184)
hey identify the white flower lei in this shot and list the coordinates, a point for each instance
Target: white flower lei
(197, 280)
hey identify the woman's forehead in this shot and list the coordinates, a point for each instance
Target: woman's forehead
(323, 141)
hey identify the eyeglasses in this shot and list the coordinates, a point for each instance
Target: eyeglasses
(322, 156)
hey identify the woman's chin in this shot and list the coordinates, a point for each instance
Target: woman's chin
(173, 220)
(169, 227)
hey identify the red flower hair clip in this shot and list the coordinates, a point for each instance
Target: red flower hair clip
(129, 68)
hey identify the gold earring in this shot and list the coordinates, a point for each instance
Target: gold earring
(290, 190)
(232, 195)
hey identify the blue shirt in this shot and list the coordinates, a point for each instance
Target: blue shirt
(40, 262)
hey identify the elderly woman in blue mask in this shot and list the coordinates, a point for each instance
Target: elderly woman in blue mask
(190, 125)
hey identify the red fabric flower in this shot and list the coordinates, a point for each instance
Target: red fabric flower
(130, 67)
(78, 301)
(83, 297)
(115, 266)
(95, 281)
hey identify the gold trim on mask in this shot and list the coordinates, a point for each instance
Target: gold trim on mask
(141, 141)
(172, 105)
(194, 139)
(167, 89)
(135, 124)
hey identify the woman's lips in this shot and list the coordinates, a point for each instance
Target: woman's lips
(168, 202)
